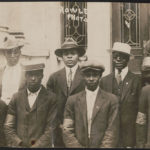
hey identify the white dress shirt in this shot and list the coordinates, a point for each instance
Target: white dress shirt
(32, 97)
(10, 82)
(123, 72)
(73, 69)
(90, 100)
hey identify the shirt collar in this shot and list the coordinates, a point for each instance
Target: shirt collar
(73, 69)
(123, 72)
(92, 92)
(36, 93)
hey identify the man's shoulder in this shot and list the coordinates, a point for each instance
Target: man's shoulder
(107, 76)
(109, 96)
(58, 72)
(20, 93)
(146, 89)
(137, 76)
(76, 96)
(2, 104)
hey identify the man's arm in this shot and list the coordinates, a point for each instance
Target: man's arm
(46, 140)
(111, 135)
(141, 121)
(10, 125)
(68, 127)
(51, 84)
(3, 113)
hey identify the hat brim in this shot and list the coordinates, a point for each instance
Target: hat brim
(9, 48)
(80, 50)
(92, 68)
(112, 50)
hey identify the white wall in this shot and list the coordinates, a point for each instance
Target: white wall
(99, 32)
(40, 21)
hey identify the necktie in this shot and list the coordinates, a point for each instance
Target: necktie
(69, 79)
(118, 77)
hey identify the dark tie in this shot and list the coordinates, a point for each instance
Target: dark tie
(69, 79)
(118, 77)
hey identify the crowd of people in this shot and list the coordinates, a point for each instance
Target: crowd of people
(78, 108)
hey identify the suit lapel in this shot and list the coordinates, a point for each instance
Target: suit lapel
(83, 108)
(1, 77)
(126, 84)
(98, 103)
(76, 81)
(63, 81)
(25, 100)
(40, 99)
(110, 81)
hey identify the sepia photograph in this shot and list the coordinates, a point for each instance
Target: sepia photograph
(74, 74)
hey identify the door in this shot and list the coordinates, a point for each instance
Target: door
(130, 24)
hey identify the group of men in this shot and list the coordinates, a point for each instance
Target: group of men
(78, 108)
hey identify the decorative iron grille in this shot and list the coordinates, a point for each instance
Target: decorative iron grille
(75, 21)
(130, 24)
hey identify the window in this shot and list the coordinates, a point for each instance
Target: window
(75, 21)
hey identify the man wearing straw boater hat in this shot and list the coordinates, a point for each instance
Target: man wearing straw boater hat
(32, 112)
(67, 81)
(91, 118)
(11, 76)
(126, 85)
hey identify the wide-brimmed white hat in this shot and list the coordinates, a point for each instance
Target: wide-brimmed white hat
(8, 42)
(121, 47)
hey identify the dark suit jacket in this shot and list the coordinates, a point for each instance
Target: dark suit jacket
(128, 104)
(33, 125)
(105, 121)
(22, 80)
(142, 132)
(3, 112)
(57, 83)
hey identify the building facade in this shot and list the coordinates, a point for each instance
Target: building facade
(94, 25)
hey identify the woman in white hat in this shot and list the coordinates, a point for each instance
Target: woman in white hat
(11, 77)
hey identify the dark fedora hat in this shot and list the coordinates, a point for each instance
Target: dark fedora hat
(69, 44)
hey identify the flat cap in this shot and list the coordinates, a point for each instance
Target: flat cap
(92, 65)
(29, 66)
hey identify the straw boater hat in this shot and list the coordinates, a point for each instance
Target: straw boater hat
(92, 65)
(121, 47)
(69, 44)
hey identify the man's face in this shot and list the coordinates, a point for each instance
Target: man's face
(34, 79)
(70, 57)
(12, 56)
(92, 78)
(120, 60)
